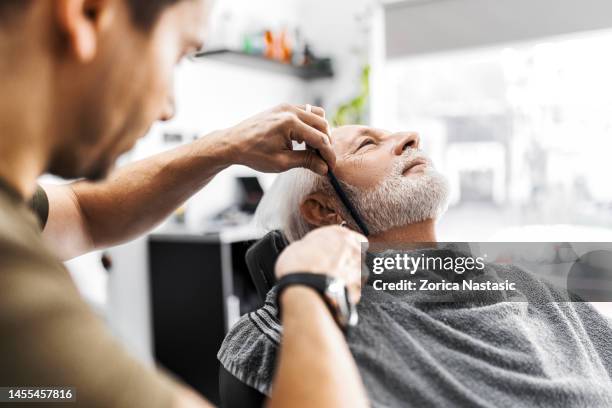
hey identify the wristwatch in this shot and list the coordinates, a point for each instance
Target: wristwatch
(333, 291)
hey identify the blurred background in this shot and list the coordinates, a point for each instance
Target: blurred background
(512, 100)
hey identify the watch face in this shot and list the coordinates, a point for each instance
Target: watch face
(335, 287)
(353, 315)
(337, 296)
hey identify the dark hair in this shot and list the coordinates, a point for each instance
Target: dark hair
(11, 8)
(144, 13)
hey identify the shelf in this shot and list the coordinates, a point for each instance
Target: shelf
(307, 73)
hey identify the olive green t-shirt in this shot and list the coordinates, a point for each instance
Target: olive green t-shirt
(48, 334)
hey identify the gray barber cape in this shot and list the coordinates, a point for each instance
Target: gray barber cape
(531, 347)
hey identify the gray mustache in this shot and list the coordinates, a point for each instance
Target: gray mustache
(407, 157)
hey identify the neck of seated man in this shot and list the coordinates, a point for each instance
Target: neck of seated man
(423, 231)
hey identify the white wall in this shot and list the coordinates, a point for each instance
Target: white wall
(339, 29)
(231, 18)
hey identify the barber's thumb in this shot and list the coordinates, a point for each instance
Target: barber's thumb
(309, 159)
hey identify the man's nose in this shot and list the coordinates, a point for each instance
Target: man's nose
(404, 141)
(169, 110)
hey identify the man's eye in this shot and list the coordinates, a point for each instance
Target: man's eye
(365, 143)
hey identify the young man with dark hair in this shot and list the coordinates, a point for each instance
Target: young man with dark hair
(82, 80)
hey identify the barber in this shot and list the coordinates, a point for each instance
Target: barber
(81, 81)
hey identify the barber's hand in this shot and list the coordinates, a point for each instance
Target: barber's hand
(263, 142)
(333, 251)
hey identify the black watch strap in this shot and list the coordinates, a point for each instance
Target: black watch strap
(316, 281)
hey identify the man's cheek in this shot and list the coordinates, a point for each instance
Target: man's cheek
(370, 172)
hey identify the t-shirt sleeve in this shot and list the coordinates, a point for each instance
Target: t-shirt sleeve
(50, 337)
(39, 204)
(250, 348)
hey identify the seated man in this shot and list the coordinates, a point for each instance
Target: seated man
(525, 348)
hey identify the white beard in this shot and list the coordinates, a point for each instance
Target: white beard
(401, 200)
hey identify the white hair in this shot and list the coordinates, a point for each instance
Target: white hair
(396, 201)
(279, 208)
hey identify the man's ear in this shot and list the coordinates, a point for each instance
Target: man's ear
(319, 210)
(80, 21)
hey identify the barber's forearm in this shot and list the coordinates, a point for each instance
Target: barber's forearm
(316, 368)
(136, 197)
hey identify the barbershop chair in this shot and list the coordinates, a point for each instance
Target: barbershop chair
(260, 259)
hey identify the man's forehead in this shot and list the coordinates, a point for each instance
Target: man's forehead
(201, 15)
(194, 17)
(345, 136)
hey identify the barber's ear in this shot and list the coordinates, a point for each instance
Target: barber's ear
(319, 210)
(81, 21)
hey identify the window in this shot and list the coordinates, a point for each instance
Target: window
(524, 132)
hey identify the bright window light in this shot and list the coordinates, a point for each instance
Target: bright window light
(523, 132)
